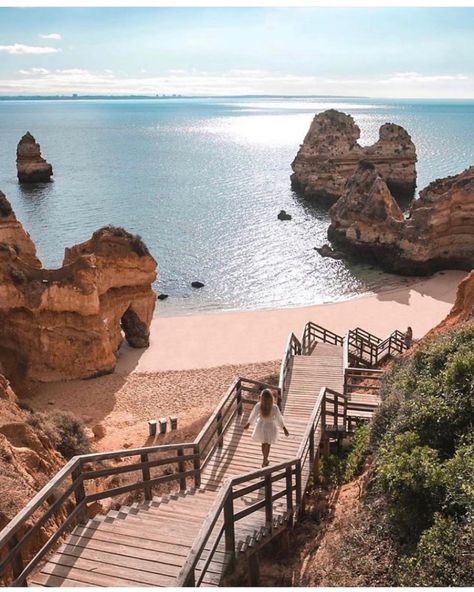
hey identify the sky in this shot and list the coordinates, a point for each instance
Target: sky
(376, 52)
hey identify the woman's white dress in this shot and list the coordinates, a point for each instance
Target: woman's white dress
(266, 428)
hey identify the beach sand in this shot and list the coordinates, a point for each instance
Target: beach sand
(243, 337)
(193, 359)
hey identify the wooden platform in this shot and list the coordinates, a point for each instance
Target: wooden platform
(146, 544)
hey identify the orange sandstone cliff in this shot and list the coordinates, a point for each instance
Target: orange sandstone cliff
(67, 323)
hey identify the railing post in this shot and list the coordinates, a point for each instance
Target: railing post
(197, 467)
(229, 530)
(345, 415)
(336, 411)
(311, 446)
(146, 477)
(268, 501)
(17, 562)
(316, 465)
(219, 429)
(289, 490)
(299, 496)
(181, 469)
(79, 494)
(238, 398)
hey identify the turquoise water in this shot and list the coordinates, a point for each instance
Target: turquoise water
(202, 181)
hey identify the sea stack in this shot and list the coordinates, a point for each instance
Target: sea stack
(31, 166)
(330, 154)
(367, 223)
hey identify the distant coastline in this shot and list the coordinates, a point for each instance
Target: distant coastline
(78, 97)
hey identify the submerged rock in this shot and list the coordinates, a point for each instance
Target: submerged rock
(162, 296)
(330, 154)
(327, 251)
(197, 284)
(283, 215)
(31, 166)
(67, 323)
(367, 223)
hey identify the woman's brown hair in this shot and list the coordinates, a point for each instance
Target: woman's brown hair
(266, 402)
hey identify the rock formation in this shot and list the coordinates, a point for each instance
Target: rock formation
(67, 323)
(27, 461)
(31, 166)
(330, 154)
(13, 234)
(438, 233)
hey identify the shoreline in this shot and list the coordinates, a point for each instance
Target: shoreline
(209, 339)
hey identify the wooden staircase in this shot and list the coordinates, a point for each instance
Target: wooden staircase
(227, 506)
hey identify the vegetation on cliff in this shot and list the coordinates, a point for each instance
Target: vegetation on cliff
(417, 517)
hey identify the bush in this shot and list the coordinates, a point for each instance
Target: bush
(64, 430)
(341, 468)
(444, 556)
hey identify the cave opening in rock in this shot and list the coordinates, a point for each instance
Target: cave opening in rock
(135, 330)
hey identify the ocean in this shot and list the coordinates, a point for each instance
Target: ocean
(202, 181)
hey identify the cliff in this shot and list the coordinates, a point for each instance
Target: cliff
(367, 223)
(31, 166)
(330, 154)
(67, 323)
(28, 460)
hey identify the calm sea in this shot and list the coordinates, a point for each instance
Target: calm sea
(202, 181)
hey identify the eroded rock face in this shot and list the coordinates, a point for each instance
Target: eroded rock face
(13, 234)
(67, 323)
(330, 154)
(31, 166)
(438, 233)
(27, 461)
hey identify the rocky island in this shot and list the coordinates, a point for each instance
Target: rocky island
(31, 166)
(67, 323)
(330, 154)
(367, 223)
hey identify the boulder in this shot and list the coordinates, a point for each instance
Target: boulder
(367, 223)
(31, 166)
(67, 323)
(283, 215)
(197, 284)
(330, 154)
(327, 251)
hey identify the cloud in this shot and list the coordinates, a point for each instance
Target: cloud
(423, 78)
(55, 36)
(33, 71)
(20, 49)
(235, 82)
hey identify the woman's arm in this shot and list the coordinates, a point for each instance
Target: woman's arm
(253, 415)
(280, 421)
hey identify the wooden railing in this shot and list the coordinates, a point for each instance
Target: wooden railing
(293, 348)
(369, 350)
(65, 498)
(313, 333)
(330, 410)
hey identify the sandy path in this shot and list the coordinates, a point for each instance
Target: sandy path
(215, 339)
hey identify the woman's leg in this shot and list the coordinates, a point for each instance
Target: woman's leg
(265, 452)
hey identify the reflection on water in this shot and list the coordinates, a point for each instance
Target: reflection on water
(202, 182)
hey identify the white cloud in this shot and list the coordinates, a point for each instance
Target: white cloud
(33, 71)
(423, 78)
(235, 82)
(20, 49)
(55, 36)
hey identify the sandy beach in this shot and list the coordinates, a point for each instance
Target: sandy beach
(216, 339)
(192, 359)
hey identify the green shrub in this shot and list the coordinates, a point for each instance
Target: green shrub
(341, 468)
(444, 556)
(64, 430)
(71, 433)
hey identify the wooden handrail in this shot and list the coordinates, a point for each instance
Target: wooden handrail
(74, 470)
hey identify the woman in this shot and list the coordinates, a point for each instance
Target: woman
(268, 418)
